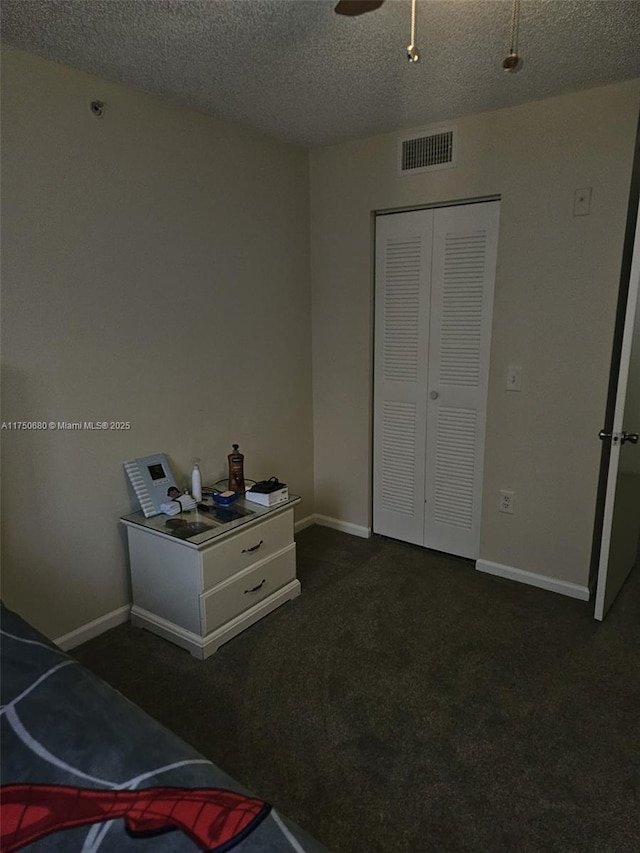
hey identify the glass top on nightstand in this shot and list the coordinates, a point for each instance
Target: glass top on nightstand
(199, 527)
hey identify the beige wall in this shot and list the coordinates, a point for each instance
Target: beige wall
(555, 301)
(155, 270)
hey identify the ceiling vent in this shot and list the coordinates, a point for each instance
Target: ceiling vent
(428, 150)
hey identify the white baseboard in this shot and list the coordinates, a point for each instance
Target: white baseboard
(335, 523)
(573, 590)
(94, 629)
(344, 526)
(307, 521)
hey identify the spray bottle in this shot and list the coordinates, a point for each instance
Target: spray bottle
(196, 482)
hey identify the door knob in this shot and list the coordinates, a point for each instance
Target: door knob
(434, 395)
(621, 437)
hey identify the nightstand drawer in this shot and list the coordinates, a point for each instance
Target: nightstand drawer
(240, 551)
(239, 593)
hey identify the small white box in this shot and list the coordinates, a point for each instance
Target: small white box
(270, 499)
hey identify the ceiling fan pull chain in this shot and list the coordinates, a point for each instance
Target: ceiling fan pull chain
(513, 62)
(412, 53)
(515, 15)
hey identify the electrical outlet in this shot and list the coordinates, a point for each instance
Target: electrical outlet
(507, 499)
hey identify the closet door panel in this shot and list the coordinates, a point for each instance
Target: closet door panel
(403, 271)
(462, 283)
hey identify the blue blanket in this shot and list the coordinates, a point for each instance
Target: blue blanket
(83, 769)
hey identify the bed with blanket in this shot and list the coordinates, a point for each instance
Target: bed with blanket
(83, 769)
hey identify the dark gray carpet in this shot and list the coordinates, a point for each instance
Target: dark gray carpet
(408, 703)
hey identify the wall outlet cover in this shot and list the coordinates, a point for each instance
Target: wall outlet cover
(507, 500)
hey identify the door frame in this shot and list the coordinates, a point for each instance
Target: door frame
(616, 359)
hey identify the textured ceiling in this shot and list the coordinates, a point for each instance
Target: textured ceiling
(295, 70)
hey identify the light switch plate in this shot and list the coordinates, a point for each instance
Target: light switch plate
(582, 201)
(514, 378)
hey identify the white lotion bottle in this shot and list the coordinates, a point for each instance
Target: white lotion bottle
(196, 482)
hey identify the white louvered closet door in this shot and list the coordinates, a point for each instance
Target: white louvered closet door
(403, 271)
(462, 282)
(435, 272)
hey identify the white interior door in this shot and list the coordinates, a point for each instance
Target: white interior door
(403, 273)
(435, 272)
(621, 522)
(462, 283)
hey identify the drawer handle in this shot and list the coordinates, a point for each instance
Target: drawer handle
(255, 547)
(256, 588)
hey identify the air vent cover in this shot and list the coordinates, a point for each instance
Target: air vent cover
(428, 150)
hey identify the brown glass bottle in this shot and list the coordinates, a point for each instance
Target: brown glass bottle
(236, 470)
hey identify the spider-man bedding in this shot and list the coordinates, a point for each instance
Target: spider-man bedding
(84, 770)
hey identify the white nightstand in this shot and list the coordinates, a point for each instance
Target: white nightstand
(202, 590)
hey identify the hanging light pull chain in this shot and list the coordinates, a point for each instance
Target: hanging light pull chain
(412, 53)
(513, 62)
(515, 18)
